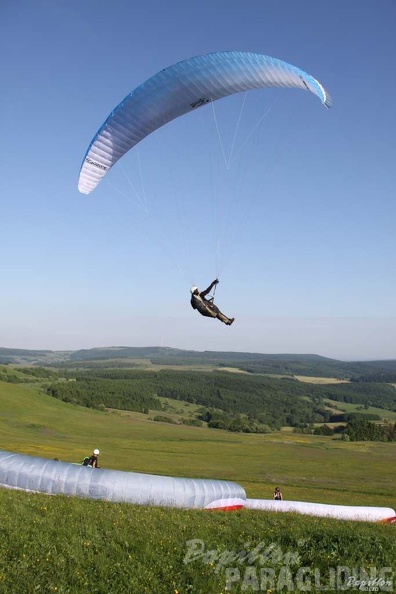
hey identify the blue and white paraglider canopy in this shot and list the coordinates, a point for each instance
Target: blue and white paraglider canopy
(180, 89)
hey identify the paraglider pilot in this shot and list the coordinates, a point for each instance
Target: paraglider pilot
(206, 307)
(277, 494)
(92, 460)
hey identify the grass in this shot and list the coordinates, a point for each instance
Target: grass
(232, 370)
(309, 468)
(70, 546)
(347, 407)
(171, 408)
(320, 380)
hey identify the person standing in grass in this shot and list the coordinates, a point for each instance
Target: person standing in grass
(277, 494)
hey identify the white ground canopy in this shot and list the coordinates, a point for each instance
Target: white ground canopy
(32, 474)
(29, 473)
(342, 512)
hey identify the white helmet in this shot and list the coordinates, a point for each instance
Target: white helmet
(193, 289)
(96, 452)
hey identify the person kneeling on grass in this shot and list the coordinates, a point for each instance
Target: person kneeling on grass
(92, 460)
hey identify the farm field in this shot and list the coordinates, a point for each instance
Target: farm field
(320, 380)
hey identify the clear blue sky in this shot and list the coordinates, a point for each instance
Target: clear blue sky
(304, 244)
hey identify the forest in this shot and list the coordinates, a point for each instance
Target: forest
(266, 397)
(236, 402)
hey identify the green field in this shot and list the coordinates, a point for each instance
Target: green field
(70, 546)
(320, 380)
(311, 468)
(340, 407)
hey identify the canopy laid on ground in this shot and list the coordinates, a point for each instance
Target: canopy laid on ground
(342, 512)
(51, 476)
(28, 473)
(180, 89)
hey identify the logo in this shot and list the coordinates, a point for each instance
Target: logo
(199, 102)
(96, 164)
(267, 568)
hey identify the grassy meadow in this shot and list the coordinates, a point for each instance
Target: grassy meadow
(70, 546)
(347, 407)
(311, 468)
(320, 380)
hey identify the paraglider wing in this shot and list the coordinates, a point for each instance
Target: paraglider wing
(341, 512)
(179, 89)
(28, 473)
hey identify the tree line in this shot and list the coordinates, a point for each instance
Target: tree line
(238, 403)
(360, 429)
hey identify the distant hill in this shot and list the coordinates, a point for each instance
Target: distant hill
(21, 353)
(255, 363)
(32, 357)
